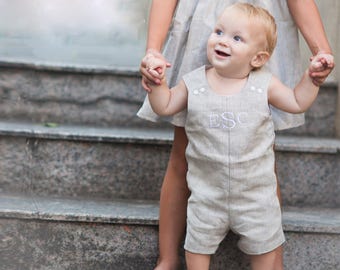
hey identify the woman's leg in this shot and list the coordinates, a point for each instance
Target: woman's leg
(278, 191)
(173, 204)
(278, 252)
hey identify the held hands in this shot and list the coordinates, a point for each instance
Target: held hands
(320, 67)
(153, 68)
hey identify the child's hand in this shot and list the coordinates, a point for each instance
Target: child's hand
(153, 68)
(320, 67)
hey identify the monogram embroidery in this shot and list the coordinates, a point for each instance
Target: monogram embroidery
(227, 120)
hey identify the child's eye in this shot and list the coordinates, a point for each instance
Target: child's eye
(237, 38)
(218, 32)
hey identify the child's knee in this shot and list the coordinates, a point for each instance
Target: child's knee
(268, 261)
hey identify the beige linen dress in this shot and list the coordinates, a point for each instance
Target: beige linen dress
(185, 49)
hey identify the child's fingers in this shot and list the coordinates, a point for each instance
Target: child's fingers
(325, 62)
(321, 63)
(145, 72)
(159, 70)
(154, 72)
(326, 59)
(152, 68)
(317, 65)
(321, 73)
(151, 72)
(156, 69)
(321, 66)
(320, 76)
(148, 76)
(319, 79)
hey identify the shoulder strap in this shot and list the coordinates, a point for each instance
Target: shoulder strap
(195, 79)
(260, 79)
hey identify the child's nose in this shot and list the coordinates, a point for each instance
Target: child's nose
(224, 42)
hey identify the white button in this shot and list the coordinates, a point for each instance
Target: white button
(202, 89)
(196, 92)
(253, 88)
(259, 90)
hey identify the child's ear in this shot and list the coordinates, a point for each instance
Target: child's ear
(260, 59)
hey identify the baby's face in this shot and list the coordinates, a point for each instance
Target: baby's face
(234, 42)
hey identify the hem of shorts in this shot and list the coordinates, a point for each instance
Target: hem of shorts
(147, 118)
(176, 124)
(155, 120)
(289, 126)
(200, 251)
(266, 250)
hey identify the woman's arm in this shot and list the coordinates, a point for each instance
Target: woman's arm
(160, 18)
(307, 18)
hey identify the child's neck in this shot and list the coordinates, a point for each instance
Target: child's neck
(225, 85)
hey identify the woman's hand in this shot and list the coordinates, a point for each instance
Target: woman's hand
(152, 68)
(325, 65)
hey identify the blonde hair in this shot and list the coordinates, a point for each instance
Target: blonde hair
(265, 18)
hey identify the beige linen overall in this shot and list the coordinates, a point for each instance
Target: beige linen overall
(231, 167)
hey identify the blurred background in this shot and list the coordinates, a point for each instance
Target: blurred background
(78, 32)
(106, 34)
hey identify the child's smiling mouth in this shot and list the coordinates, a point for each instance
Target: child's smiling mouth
(221, 53)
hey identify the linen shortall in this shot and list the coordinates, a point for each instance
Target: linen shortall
(185, 49)
(231, 167)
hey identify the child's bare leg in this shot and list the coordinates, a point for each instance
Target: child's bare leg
(173, 204)
(272, 260)
(268, 261)
(197, 261)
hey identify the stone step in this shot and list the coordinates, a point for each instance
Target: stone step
(83, 96)
(130, 163)
(102, 97)
(82, 161)
(59, 233)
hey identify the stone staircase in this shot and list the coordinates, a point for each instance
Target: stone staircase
(80, 175)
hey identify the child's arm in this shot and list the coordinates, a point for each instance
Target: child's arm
(165, 101)
(304, 94)
(311, 27)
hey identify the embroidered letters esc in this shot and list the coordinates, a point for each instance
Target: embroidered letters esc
(227, 120)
